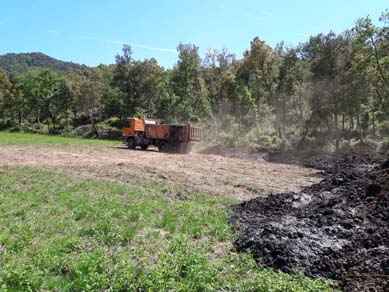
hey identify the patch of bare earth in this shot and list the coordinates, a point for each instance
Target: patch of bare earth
(236, 178)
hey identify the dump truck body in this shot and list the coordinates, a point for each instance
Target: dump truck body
(168, 138)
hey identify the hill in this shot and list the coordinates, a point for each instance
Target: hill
(20, 63)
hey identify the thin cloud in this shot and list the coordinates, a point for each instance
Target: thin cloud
(303, 34)
(147, 47)
(53, 32)
(251, 15)
(268, 13)
(121, 42)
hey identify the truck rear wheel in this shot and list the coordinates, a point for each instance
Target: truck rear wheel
(184, 148)
(131, 143)
(164, 146)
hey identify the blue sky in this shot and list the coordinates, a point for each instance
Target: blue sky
(92, 32)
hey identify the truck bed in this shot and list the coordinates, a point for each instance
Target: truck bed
(173, 133)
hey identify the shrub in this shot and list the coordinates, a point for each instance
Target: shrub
(384, 148)
(6, 124)
(114, 122)
(368, 142)
(384, 128)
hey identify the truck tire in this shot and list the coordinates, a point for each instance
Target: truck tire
(144, 147)
(164, 146)
(131, 143)
(183, 148)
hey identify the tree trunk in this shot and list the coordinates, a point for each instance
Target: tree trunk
(351, 125)
(351, 122)
(93, 125)
(20, 118)
(336, 131)
(301, 110)
(307, 125)
(359, 129)
(38, 117)
(54, 121)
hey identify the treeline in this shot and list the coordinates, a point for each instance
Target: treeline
(331, 91)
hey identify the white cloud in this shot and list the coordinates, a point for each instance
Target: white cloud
(121, 42)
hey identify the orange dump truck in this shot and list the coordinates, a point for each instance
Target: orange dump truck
(168, 138)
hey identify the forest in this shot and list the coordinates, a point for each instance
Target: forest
(327, 93)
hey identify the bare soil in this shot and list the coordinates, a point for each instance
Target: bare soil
(337, 229)
(236, 178)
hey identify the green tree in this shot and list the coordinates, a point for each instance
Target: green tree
(88, 101)
(5, 94)
(192, 103)
(328, 57)
(41, 89)
(142, 85)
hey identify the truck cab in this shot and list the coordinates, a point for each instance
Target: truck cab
(135, 126)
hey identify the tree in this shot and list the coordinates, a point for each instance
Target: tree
(41, 90)
(192, 103)
(259, 70)
(372, 62)
(88, 102)
(142, 85)
(5, 93)
(328, 56)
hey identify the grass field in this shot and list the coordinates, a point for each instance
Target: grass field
(7, 138)
(65, 233)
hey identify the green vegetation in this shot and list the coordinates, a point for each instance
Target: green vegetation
(319, 95)
(21, 63)
(45, 140)
(62, 233)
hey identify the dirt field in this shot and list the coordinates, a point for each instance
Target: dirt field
(232, 177)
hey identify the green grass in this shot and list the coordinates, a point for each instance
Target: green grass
(65, 233)
(7, 138)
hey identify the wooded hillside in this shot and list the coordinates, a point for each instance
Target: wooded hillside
(21, 63)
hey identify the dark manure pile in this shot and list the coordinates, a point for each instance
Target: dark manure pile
(337, 229)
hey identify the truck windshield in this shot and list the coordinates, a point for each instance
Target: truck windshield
(127, 124)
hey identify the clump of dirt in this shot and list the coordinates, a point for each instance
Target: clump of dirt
(337, 229)
(322, 162)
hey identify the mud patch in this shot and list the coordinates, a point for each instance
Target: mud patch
(338, 229)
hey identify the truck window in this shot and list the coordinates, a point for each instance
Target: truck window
(127, 124)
